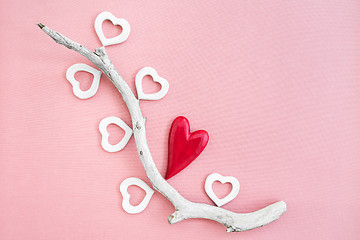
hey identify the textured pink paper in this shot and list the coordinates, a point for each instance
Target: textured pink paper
(275, 83)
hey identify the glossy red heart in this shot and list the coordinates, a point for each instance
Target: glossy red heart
(184, 147)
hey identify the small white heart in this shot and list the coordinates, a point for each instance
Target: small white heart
(152, 96)
(116, 21)
(70, 76)
(105, 135)
(126, 196)
(217, 177)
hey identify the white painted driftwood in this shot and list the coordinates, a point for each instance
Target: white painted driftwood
(184, 209)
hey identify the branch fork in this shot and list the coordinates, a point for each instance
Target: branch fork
(184, 209)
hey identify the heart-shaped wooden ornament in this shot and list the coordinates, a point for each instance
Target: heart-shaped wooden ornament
(70, 76)
(126, 196)
(116, 21)
(105, 135)
(150, 96)
(228, 179)
(184, 147)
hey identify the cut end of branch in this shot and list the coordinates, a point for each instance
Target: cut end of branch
(40, 25)
(170, 218)
(175, 217)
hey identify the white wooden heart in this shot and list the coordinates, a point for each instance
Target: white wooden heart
(70, 76)
(151, 96)
(116, 21)
(105, 135)
(228, 179)
(126, 196)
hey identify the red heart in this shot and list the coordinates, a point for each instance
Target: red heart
(184, 146)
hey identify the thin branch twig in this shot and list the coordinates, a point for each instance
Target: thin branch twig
(184, 209)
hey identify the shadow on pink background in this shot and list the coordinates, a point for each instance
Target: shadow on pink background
(275, 83)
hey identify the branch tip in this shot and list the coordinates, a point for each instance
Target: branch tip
(40, 25)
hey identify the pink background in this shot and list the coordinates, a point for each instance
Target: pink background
(275, 83)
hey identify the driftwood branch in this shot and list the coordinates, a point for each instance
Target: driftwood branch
(184, 209)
